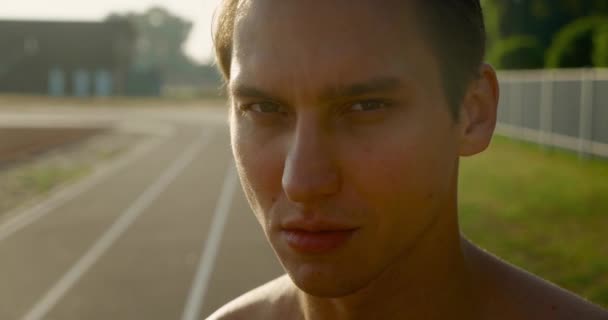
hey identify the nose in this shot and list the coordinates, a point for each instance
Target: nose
(310, 172)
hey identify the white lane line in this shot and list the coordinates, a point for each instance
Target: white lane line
(48, 301)
(22, 217)
(207, 261)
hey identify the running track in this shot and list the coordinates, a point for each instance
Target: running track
(162, 232)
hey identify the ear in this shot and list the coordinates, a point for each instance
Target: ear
(478, 112)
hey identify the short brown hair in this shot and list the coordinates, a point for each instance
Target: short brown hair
(455, 29)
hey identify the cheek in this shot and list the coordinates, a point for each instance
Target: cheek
(260, 167)
(408, 175)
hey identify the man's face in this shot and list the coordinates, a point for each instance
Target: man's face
(342, 136)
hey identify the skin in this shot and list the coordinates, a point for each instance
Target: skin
(350, 125)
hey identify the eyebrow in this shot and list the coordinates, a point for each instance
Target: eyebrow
(248, 92)
(376, 85)
(373, 86)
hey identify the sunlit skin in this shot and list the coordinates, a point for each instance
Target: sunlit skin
(349, 126)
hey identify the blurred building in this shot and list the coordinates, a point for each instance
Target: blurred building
(80, 59)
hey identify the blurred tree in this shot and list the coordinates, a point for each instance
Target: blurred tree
(517, 52)
(160, 39)
(539, 18)
(600, 43)
(160, 36)
(574, 46)
(492, 19)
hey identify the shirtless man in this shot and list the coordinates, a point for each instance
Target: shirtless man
(348, 118)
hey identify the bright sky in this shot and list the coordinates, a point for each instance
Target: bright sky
(200, 12)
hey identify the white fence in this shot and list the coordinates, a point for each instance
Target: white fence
(562, 108)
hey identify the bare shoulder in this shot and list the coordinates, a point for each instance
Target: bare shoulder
(269, 301)
(513, 293)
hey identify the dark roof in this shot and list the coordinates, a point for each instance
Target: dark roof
(66, 43)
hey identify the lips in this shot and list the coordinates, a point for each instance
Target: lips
(316, 238)
(316, 242)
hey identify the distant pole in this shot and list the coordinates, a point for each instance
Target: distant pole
(585, 116)
(516, 108)
(546, 109)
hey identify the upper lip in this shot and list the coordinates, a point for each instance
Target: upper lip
(316, 225)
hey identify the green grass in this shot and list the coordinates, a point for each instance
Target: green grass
(43, 179)
(30, 180)
(34, 179)
(546, 212)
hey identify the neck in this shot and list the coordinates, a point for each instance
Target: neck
(430, 281)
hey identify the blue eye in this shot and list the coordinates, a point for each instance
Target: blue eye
(368, 105)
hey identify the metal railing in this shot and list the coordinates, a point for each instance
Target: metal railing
(561, 108)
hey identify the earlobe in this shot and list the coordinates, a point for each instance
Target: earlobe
(478, 112)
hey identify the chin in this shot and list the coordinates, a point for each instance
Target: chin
(325, 276)
(328, 293)
(326, 284)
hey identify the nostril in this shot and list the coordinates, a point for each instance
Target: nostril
(309, 169)
(310, 184)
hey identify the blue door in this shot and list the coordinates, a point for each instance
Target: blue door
(103, 83)
(56, 83)
(82, 83)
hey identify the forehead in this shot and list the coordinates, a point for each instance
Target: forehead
(314, 41)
